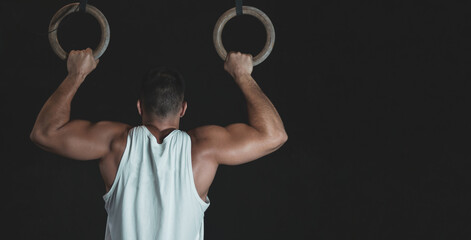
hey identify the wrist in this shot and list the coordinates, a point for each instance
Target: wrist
(242, 77)
(80, 77)
(245, 81)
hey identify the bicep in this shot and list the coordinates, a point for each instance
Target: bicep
(233, 145)
(83, 140)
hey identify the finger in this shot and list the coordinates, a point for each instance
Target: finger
(229, 55)
(87, 51)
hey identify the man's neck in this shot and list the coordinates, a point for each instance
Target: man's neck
(160, 128)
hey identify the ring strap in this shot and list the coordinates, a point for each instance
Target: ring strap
(239, 5)
(83, 5)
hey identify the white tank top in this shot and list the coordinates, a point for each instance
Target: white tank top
(153, 195)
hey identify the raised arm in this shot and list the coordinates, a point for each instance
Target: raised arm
(240, 143)
(77, 139)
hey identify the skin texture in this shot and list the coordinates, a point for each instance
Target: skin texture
(212, 145)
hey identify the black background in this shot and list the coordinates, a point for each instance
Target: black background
(374, 97)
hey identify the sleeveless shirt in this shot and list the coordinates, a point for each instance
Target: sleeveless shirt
(153, 196)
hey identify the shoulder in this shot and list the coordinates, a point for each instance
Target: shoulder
(203, 140)
(117, 133)
(216, 133)
(115, 127)
(204, 133)
(208, 136)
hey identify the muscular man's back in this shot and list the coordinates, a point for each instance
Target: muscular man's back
(203, 171)
(153, 195)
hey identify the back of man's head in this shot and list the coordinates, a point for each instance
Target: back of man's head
(162, 92)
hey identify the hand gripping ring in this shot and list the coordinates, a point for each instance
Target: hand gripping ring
(228, 15)
(71, 8)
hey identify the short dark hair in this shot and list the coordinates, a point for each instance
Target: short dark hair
(162, 91)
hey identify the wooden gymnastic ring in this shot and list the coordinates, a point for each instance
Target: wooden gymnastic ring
(228, 15)
(71, 8)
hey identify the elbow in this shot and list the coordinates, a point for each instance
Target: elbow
(282, 138)
(38, 137)
(35, 136)
(278, 138)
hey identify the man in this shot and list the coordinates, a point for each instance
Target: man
(157, 177)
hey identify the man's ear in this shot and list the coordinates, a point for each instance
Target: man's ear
(184, 107)
(139, 107)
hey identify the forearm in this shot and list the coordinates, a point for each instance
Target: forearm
(56, 111)
(262, 114)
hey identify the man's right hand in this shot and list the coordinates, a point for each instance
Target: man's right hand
(238, 64)
(81, 62)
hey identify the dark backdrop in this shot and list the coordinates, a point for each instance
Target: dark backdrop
(374, 97)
